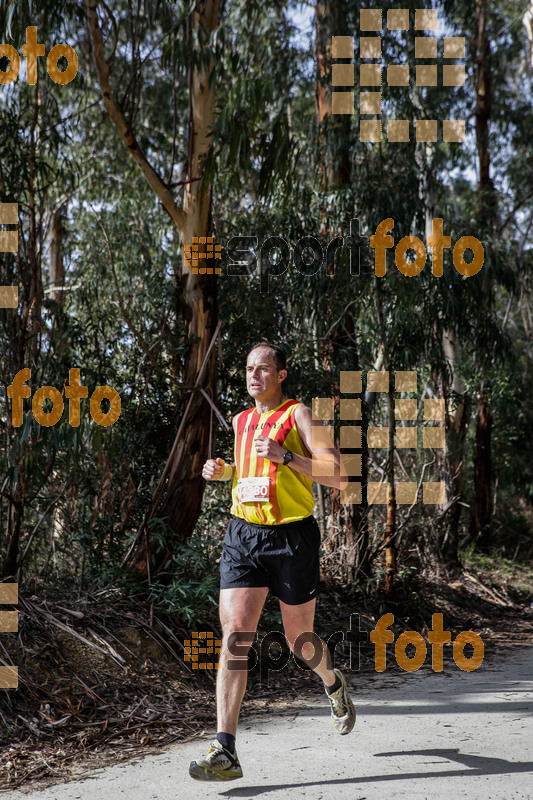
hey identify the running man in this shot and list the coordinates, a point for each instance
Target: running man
(272, 542)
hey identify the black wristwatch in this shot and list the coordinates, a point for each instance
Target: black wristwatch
(287, 457)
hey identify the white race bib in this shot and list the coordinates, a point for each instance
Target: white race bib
(253, 490)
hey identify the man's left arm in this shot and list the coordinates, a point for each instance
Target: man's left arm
(325, 464)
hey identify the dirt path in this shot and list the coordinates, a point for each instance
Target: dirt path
(418, 735)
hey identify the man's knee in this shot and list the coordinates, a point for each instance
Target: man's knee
(237, 637)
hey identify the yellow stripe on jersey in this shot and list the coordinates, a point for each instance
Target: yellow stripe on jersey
(291, 498)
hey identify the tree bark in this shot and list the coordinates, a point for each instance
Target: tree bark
(527, 22)
(198, 303)
(441, 545)
(391, 565)
(484, 94)
(347, 529)
(57, 265)
(347, 524)
(481, 519)
(26, 345)
(182, 502)
(483, 472)
(12, 541)
(333, 132)
(456, 427)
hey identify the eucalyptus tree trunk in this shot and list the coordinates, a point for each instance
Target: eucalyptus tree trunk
(182, 481)
(333, 131)
(442, 546)
(527, 22)
(391, 561)
(26, 348)
(457, 413)
(347, 528)
(480, 48)
(57, 264)
(182, 502)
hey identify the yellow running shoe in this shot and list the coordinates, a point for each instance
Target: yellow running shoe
(218, 765)
(342, 708)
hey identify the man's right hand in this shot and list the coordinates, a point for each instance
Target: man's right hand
(213, 469)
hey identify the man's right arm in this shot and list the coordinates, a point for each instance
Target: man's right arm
(216, 469)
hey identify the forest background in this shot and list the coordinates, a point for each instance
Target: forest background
(214, 119)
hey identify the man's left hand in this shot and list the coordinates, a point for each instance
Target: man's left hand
(268, 448)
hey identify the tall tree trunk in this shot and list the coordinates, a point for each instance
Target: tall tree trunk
(27, 345)
(347, 528)
(441, 546)
(457, 405)
(183, 498)
(57, 265)
(184, 486)
(483, 88)
(391, 565)
(322, 88)
(483, 472)
(347, 524)
(333, 132)
(12, 540)
(482, 512)
(527, 22)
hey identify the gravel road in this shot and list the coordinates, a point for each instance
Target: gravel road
(418, 736)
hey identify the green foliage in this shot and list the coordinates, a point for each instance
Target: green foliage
(493, 567)
(89, 488)
(193, 593)
(6, 735)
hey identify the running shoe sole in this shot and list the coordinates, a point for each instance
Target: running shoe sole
(201, 773)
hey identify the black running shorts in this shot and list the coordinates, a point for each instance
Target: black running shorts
(282, 557)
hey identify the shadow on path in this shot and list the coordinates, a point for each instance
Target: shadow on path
(476, 765)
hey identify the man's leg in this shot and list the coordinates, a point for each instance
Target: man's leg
(300, 619)
(240, 609)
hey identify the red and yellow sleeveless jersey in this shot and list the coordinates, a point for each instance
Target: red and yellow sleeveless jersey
(290, 496)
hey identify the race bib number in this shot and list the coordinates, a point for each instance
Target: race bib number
(253, 490)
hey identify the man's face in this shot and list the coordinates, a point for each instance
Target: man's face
(262, 377)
